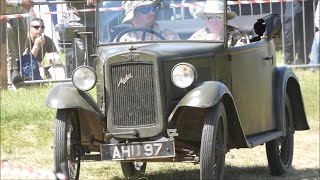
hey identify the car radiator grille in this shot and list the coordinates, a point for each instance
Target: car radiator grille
(133, 99)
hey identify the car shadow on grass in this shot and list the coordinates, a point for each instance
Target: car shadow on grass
(231, 173)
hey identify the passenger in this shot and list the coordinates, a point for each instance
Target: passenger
(212, 12)
(39, 43)
(141, 14)
(298, 25)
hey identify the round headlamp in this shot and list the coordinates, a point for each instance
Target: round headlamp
(183, 75)
(84, 78)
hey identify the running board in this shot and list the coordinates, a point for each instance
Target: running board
(255, 140)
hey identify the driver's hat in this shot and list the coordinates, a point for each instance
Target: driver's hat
(212, 7)
(129, 7)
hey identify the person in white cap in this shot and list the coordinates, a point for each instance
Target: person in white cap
(141, 14)
(213, 12)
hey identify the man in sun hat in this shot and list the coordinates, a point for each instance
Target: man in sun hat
(213, 13)
(142, 14)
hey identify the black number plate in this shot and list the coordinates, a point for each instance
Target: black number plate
(138, 150)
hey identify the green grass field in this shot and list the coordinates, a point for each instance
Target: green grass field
(27, 138)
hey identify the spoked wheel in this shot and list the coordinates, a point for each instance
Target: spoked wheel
(66, 140)
(213, 144)
(130, 169)
(280, 150)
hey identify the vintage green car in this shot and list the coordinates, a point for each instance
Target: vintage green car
(163, 99)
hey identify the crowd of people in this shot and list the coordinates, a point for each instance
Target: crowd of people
(31, 45)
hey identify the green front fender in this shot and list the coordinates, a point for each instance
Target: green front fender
(207, 94)
(64, 96)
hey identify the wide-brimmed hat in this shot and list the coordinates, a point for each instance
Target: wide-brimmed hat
(129, 7)
(212, 7)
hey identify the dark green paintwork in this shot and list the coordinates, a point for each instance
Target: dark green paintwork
(64, 96)
(244, 78)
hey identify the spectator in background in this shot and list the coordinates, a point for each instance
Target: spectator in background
(80, 19)
(38, 44)
(315, 54)
(303, 39)
(53, 8)
(293, 13)
(16, 30)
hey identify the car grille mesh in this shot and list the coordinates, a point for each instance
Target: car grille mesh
(133, 98)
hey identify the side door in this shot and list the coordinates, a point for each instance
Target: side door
(251, 71)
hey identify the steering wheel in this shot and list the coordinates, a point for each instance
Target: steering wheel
(144, 30)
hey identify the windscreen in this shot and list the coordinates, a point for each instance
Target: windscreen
(167, 20)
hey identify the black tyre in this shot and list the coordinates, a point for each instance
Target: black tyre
(280, 150)
(66, 143)
(130, 169)
(213, 144)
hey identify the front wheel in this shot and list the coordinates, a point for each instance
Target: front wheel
(213, 144)
(280, 150)
(66, 142)
(133, 168)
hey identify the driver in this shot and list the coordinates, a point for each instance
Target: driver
(141, 14)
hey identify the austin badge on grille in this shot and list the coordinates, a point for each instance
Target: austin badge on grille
(125, 79)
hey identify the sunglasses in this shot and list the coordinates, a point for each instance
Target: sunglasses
(37, 27)
(146, 9)
(217, 17)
